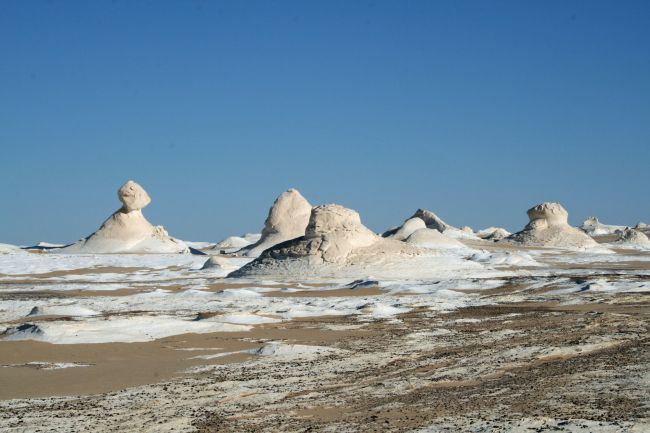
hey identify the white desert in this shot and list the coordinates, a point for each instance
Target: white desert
(320, 324)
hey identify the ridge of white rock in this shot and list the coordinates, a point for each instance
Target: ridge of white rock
(287, 219)
(127, 230)
(336, 244)
(549, 227)
(593, 227)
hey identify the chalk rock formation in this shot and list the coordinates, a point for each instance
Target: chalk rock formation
(493, 233)
(593, 227)
(549, 227)
(287, 219)
(432, 220)
(634, 238)
(10, 249)
(433, 239)
(127, 230)
(217, 263)
(404, 231)
(337, 244)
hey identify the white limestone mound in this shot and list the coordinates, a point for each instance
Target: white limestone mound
(336, 244)
(219, 264)
(633, 238)
(128, 231)
(10, 249)
(287, 219)
(433, 239)
(467, 229)
(404, 231)
(493, 233)
(593, 227)
(549, 227)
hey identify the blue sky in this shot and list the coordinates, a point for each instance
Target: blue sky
(476, 110)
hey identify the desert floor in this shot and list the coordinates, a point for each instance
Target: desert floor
(543, 340)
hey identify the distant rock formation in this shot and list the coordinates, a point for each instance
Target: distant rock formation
(233, 243)
(633, 238)
(287, 219)
(127, 230)
(593, 227)
(549, 227)
(493, 233)
(337, 244)
(432, 220)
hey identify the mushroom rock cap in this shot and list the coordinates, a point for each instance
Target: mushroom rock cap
(405, 230)
(128, 231)
(431, 220)
(431, 238)
(547, 215)
(133, 196)
(287, 219)
(634, 237)
(549, 226)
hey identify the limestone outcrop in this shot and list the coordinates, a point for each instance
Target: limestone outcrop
(287, 219)
(549, 227)
(337, 244)
(633, 238)
(127, 230)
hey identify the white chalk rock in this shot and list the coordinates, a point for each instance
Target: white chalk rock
(406, 229)
(493, 233)
(593, 227)
(218, 263)
(287, 219)
(10, 249)
(432, 239)
(633, 238)
(337, 244)
(432, 220)
(128, 231)
(549, 227)
(467, 229)
(133, 196)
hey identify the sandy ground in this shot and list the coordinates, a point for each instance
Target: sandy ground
(524, 356)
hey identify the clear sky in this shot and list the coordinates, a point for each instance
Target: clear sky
(476, 110)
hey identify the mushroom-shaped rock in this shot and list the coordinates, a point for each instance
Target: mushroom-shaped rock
(127, 230)
(549, 226)
(634, 238)
(133, 196)
(467, 229)
(405, 230)
(433, 239)
(287, 219)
